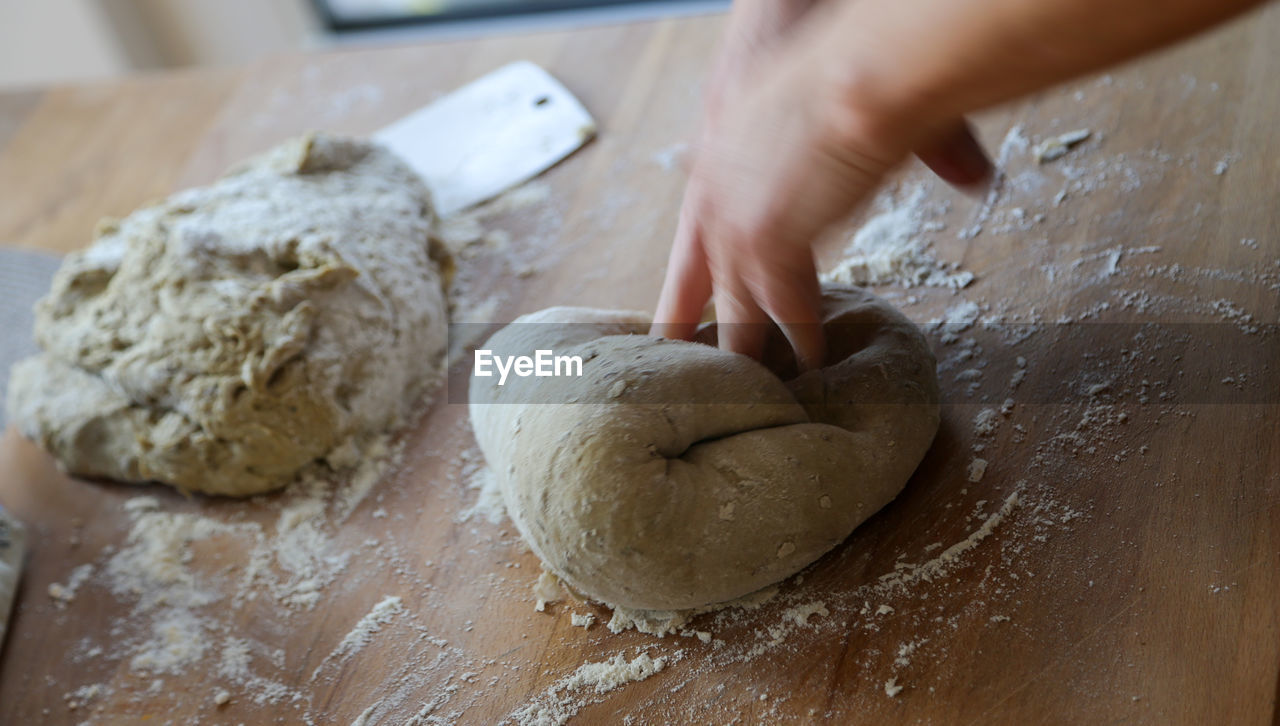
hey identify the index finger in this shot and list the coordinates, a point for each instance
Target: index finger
(687, 285)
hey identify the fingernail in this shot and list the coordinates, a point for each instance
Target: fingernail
(980, 189)
(810, 363)
(974, 168)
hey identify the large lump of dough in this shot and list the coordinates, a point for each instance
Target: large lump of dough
(227, 336)
(674, 475)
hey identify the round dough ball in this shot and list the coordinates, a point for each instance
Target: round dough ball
(674, 475)
(224, 338)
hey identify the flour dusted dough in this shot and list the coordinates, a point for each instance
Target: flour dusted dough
(673, 475)
(225, 337)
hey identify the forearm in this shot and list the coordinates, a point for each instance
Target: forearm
(928, 61)
(755, 27)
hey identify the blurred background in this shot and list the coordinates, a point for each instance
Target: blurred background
(51, 41)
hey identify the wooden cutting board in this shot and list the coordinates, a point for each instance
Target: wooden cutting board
(1131, 576)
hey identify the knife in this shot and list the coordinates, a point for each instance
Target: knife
(13, 542)
(490, 135)
(24, 277)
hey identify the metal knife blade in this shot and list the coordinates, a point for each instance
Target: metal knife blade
(24, 277)
(489, 135)
(13, 547)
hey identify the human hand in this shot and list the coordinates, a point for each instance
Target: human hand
(813, 103)
(782, 155)
(755, 27)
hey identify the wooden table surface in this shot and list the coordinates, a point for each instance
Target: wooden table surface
(1135, 580)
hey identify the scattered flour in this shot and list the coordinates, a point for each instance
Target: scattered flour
(368, 626)
(906, 574)
(890, 250)
(64, 594)
(955, 320)
(468, 232)
(179, 604)
(905, 651)
(986, 422)
(235, 660)
(84, 695)
(178, 639)
(567, 696)
(663, 622)
(188, 573)
(617, 671)
(488, 504)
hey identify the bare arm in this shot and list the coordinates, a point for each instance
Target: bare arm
(934, 61)
(846, 92)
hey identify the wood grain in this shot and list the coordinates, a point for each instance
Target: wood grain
(1138, 576)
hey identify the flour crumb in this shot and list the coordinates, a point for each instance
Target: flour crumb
(563, 699)
(891, 688)
(546, 590)
(905, 651)
(63, 594)
(83, 695)
(1056, 147)
(1097, 389)
(986, 422)
(800, 614)
(582, 621)
(960, 317)
(221, 697)
(977, 469)
(726, 511)
(884, 610)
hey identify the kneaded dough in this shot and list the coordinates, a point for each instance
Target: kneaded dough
(674, 475)
(227, 336)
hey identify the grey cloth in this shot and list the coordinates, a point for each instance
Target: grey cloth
(24, 278)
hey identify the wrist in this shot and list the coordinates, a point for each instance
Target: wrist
(882, 81)
(859, 103)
